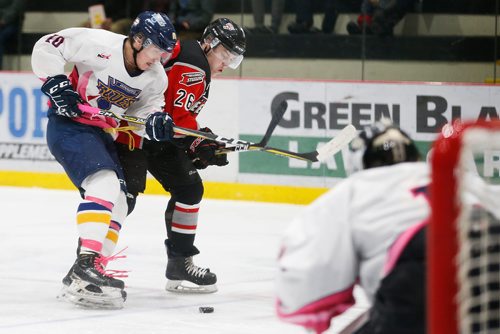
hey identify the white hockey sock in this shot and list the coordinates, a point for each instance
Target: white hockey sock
(94, 212)
(117, 218)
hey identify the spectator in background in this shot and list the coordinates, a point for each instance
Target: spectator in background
(11, 18)
(379, 17)
(190, 17)
(120, 13)
(304, 22)
(258, 8)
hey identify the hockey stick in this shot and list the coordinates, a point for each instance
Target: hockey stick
(276, 117)
(335, 145)
(239, 145)
(342, 139)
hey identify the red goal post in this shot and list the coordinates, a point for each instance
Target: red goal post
(464, 230)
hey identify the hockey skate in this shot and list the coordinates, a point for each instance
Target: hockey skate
(184, 277)
(87, 285)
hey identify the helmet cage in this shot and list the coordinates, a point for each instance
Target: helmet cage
(388, 148)
(381, 144)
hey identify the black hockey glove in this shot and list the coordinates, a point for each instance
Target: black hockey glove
(63, 98)
(159, 126)
(203, 152)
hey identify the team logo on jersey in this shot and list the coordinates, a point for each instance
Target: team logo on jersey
(116, 93)
(103, 56)
(192, 78)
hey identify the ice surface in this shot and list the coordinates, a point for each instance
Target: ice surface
(238, 241)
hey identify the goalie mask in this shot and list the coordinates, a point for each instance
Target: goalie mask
(225, 32)
(381, 144)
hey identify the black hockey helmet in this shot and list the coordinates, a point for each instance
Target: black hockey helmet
(384, 144)
(224, 31)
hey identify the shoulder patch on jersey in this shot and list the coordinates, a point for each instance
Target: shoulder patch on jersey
(192, 78)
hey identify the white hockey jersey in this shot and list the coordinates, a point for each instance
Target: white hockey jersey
(346, 237)
(99, 75)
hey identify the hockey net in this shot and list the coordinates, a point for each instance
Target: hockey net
(464, 231)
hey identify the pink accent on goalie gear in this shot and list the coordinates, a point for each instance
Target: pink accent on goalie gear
(399, 245)
(93, 245)
(106, 204)
(317, 315)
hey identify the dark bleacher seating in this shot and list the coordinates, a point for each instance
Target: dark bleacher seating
(424, 48)
(417, 48)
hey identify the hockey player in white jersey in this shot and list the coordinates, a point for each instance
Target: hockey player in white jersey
(111, 72)
(368, 230)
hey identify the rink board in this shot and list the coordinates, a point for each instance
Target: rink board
(241, 108)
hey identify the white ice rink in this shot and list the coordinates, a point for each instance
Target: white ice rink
(238, 241)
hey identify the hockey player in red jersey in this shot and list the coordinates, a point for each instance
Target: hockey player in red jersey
(174, 164)
(369, 229)
(112, 72)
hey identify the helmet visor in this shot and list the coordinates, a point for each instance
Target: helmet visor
(229, 58)
(155, 52)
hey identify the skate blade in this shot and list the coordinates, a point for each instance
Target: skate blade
(77, 294)
(189, 287)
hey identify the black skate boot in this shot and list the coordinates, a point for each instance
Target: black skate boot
(67, 279)
(196, 280)
(87, 284)
(88, 268)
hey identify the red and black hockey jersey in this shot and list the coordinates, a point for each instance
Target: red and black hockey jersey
(189, 83)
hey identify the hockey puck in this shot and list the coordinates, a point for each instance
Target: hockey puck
(206, 309)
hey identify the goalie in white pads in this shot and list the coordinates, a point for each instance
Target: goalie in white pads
(112, 72)
(369, 230)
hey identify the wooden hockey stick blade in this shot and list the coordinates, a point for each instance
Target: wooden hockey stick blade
(277, 115)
